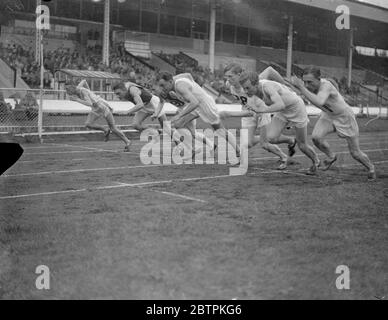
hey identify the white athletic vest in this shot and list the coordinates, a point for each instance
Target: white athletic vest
(90, 96)
(335, 104)
(240, 95)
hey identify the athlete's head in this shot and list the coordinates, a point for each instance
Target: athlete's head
(165, 81)
(120, 90)
(199, 79)
(232, 73)
(312, 78)
(249, 81)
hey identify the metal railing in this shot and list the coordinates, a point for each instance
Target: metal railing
(31, 32)
(51, 94)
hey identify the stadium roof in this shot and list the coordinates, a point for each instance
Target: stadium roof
(89, 74)
(357, 8)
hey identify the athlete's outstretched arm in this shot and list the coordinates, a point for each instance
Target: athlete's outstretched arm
(83, 95)
(320, 99)
(185, 75)
(259, 106)
(158, 109)
(83, 84)
(186, 93)
(277, 102)
(271, 74)
(236, 114)
(82, 101)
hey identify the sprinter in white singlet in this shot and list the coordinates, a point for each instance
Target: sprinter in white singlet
(289, 110)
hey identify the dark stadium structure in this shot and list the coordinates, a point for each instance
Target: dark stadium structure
(246, 29)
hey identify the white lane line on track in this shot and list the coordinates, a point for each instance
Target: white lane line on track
(63, 145)
(80, 151)
(177, 195)
(269, 171)
(319, 154)
(42, 194)
(61, 152)
(41, 147)
(99, 150)
(143, 166)
(117, 186)
(87, 149)
(120, 185)
(138, 143)
(96, 149)
(77, 171)
(359, 165)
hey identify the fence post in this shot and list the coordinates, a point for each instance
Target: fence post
(15, 75)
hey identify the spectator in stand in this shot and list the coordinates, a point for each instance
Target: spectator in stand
(121, 63)
(48, 80)
(379, 93)
(343, 84)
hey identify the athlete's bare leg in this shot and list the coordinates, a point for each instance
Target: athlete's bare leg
(112, 126)
(230, 138)
(253, 139)
(274, 132)
(137, 123)
(263, 140)
(189, 124)
(166, 127)
(91, 123)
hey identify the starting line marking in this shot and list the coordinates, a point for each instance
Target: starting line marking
(179, 196)
(41, 147)
(117, 186)
(59, 152)
(99, 150)
(120, 185)
(78, 170)
(59, 160)
(95, 149)
(144, 166)
(264, 171)
(97, 145)
(357, 164)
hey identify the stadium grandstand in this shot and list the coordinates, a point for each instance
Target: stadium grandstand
(163, 150)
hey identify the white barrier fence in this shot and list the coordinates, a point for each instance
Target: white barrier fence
(65, 115)
(122, 107)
